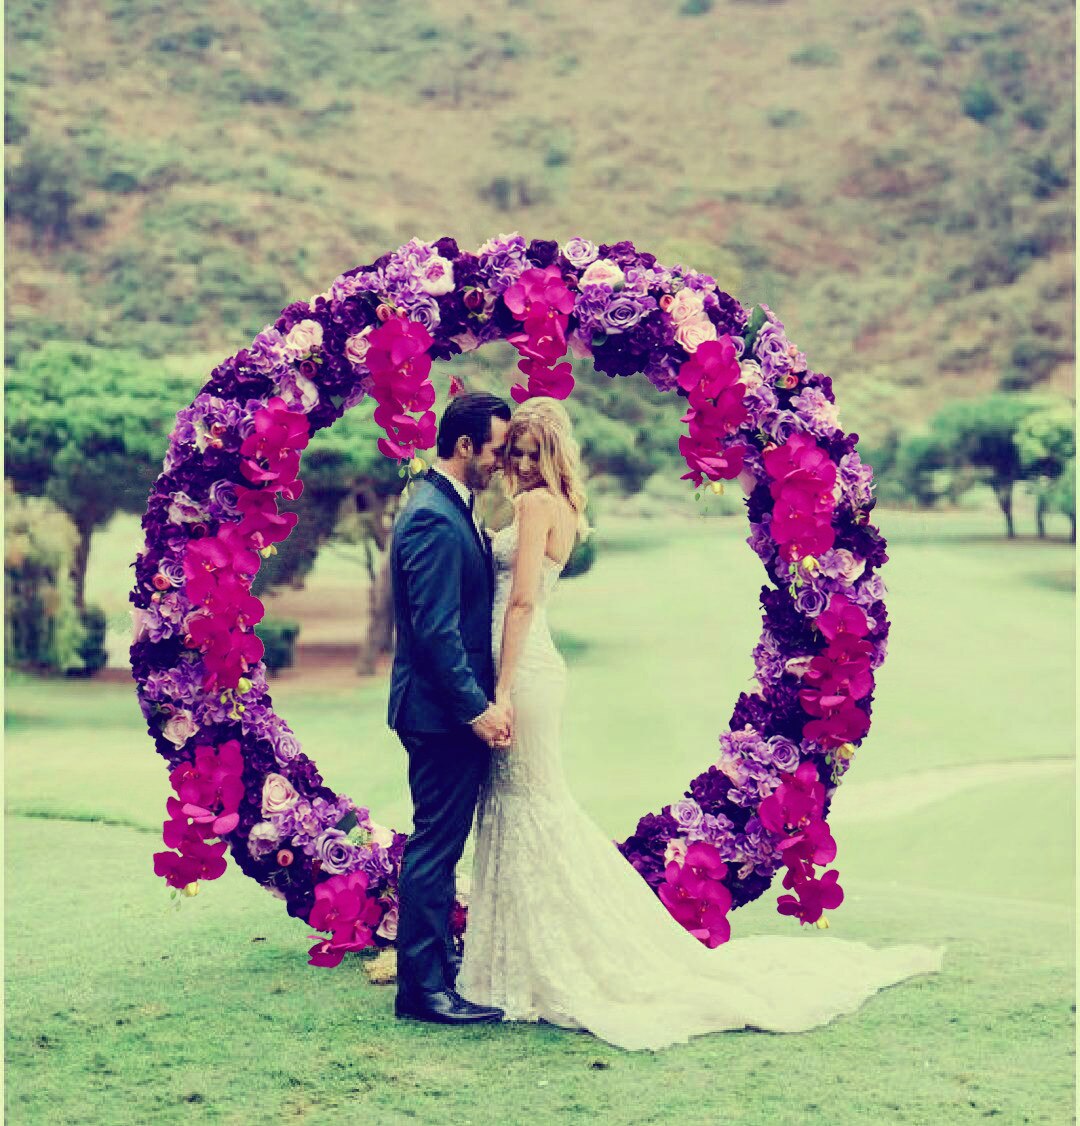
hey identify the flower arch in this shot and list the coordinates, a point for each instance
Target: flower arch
(753, 410)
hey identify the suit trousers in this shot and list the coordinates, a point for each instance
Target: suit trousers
(446, 771)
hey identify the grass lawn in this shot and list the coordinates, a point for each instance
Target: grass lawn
(956, 825)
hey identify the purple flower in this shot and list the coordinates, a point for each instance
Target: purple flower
(502, 261)
(785, 754)
(820, 415)
(623, 311)
(781, 425)
(687, 814)
(856, 481)
(810, 602)
(222, 500)
(336, 853)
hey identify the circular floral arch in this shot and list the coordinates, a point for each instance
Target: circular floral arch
(753, 410)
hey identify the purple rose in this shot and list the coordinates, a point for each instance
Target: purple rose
(335, 852)
(624, 311)
(687, 814)
(810, 602)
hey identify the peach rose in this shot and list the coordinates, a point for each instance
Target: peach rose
(686, 305)
(304, 337)
(180, 728)
(691, 334)
(848, 567)
(356, 347)
(388, 927)
(604, 272)
(278, 795)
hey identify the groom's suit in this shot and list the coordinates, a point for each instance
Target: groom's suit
(443, 678)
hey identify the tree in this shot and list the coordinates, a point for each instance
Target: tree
(87, 429)
(980, 434)
(1046, 443)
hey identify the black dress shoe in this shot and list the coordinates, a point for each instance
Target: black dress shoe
(446, 1007)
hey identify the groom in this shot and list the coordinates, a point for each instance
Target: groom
(441, 692)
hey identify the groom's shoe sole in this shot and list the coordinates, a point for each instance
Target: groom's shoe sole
(447, 1018)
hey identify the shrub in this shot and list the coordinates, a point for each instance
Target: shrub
(41, 625)
(816, 54)
(279, 638)
(978, 102)
(92, 651)
(695, 7)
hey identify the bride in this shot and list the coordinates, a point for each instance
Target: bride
(561, 927)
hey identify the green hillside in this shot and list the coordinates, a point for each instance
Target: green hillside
(896, 180)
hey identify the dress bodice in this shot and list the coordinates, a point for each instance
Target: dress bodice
(539, 648)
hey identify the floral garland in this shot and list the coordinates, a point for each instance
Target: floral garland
(754, 411)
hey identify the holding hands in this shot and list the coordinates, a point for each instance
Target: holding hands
(495, 726)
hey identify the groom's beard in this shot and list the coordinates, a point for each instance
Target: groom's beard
(477, 478)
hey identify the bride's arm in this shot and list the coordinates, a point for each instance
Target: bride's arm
(536, 514)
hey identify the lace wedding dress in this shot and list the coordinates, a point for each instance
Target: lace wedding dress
(561, 928)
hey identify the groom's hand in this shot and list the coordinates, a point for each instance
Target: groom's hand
(494, 726)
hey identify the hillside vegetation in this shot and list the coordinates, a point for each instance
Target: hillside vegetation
(895, 180)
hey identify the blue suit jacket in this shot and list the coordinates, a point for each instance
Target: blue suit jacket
(443, 585)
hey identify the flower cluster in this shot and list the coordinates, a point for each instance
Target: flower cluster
(209, 791)
(795, 811)
(397, 358)
(753, 410)
(541, 300)
(715, 396)
(695, 895)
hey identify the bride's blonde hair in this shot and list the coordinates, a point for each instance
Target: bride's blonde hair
(559, 454)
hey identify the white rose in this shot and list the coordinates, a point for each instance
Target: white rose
(278, 795)
(262, 839)
(686, 305)
(750, 375)
(180, 728)
(381, 835)
(304, 337)
(436, 276)
(356, 347)
(675, 851)
(690, 335)
(798, 666)
(300, 392)
(603, 272)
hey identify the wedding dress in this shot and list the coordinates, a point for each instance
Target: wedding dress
(561, 928)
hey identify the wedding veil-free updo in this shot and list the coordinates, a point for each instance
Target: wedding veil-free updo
(560, 456)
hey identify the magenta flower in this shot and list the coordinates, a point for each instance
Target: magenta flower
(695, 895)
(842, 616)
(812, 897)
(544, 287)
(795, 803)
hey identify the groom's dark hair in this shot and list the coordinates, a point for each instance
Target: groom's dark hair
(470, 415)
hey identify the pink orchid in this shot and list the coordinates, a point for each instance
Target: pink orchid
(706, 459)
(842, 616)
(840, 720)
(795, 803)
(812, 845)
(714, 364)
(695, 895)
(199, 861)
(812, 896)
(261, 524)
(278, 435)
(397, 344)
(843, 669)
(539, 286)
